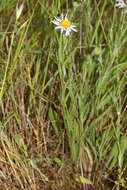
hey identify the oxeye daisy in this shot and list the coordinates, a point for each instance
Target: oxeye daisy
(64, 24)
(121, 4)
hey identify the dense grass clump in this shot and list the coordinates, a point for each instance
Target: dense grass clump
(63, 100)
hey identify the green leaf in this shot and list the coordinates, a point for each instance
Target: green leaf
(113, 156)
(117, 153)
(58, 161)
(104, 139)
(54, 120)
(75, 150)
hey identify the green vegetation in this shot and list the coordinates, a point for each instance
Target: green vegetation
(63, 100)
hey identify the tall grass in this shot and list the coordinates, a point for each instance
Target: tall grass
(63, 100)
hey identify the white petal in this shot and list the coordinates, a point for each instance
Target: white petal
(58, 19)
(62, 16)
(66, 17)
(55, 22)
(68, 32)
(58, 27)
(73, 29)
(62, 30)
(73, 25)
(120, 4)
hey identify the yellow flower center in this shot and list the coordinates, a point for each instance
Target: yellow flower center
(65, 23)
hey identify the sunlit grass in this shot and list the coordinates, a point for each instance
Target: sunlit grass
(63, 99)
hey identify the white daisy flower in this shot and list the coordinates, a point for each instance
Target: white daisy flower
(64, 24)
(121, 4)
